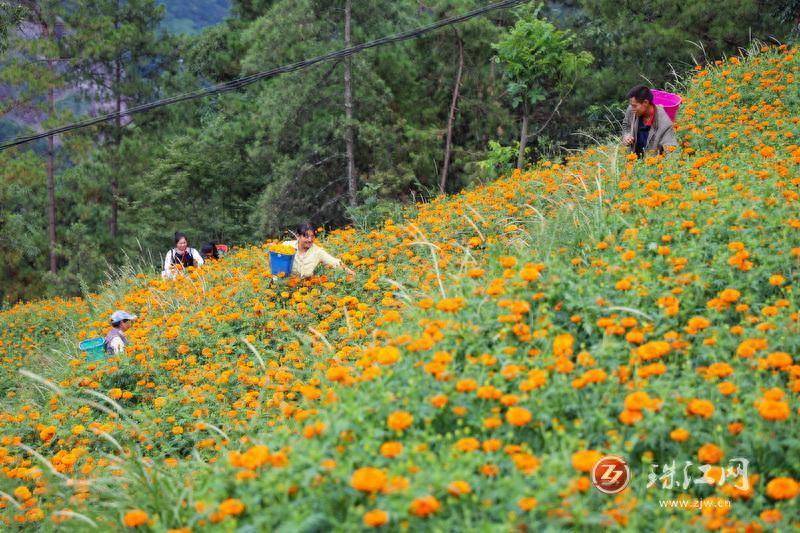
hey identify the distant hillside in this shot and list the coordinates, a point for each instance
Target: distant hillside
(191, 16)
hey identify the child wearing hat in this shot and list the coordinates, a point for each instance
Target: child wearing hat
(115, 339)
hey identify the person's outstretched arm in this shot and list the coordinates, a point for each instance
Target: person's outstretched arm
(627, 138)
(198, 259)
(329, 260)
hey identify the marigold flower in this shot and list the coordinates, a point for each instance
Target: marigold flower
(783, 488)
(710, 454)
(424, 506)
(526, 504)
(679, 435)
(451, 305)
(368, 479)
(459, 488)
(701, 408)
(391, 449)
(231, 507)
(518, 416)
(584, 460)
(773, 410)
(399, 420)
(376, 518)
(135, 518)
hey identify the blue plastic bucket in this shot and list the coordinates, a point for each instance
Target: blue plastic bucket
(95, 348)
(280, 263)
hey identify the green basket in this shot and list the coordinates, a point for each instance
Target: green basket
(95, 348)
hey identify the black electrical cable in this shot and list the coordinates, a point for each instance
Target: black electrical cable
(247, 80)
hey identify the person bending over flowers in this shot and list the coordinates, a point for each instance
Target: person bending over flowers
(308, 255)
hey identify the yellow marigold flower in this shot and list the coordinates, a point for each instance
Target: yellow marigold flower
(459, 488)
(283, 249)
(22, 493)
(562, 345)
(451, 305)
(368, 479)
(777, 280)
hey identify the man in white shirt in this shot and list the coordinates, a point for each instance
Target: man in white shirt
(115, 339)
(309, 255)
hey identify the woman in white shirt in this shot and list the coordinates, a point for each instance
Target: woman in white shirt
(309, 255)
(180, 257)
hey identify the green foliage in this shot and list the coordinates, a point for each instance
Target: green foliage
(538, 61)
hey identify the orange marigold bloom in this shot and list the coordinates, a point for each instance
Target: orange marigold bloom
(458, 488)
(584, 460)
(135, 518)
(729, 295)
(653, 350)
(783, 488)
(391, 449)
(467, 444)
(640, 400)
(773, 410)
(507, 261)
(518, 416)
(399, 420)
(22, 493)
(376, 518)
(526, 504)
(451, 305)
(710, 454)
(231, 507)
(439, 401)
(701, 408)
(679, 435)
(779, 360)
(771, 516)
(424, 506)
(562, 345)
(368, 479)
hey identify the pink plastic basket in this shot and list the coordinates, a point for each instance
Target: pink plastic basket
(669, 101)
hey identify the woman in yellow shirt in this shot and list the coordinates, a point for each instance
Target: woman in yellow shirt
(309, 255)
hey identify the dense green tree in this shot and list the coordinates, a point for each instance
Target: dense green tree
(539, 64)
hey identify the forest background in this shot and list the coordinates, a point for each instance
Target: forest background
(436, 114)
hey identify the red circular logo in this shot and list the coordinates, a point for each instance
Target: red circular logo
(611, 474)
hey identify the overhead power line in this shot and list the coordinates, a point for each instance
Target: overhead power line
(247, 80)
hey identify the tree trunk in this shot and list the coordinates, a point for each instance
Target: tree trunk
(51, 180)
(348, 112)
(523, 136)
(452, 117)
(113, 223)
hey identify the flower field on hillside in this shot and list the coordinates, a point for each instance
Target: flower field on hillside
(491, 348)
